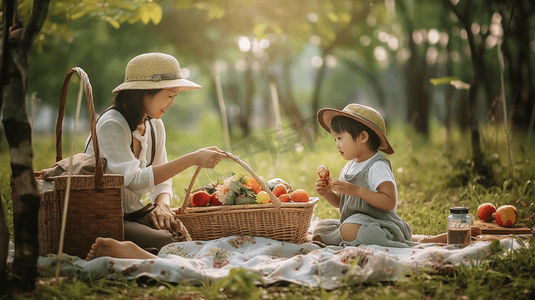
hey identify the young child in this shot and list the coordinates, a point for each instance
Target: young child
(366, 192)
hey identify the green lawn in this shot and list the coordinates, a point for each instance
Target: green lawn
(431, 176)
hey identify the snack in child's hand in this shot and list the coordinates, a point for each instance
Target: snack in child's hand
(323, 171)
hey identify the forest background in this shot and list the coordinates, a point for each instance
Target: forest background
(417, 62)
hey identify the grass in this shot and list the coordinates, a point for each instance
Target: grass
(431, 176)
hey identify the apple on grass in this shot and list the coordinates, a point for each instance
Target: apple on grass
(506, 216)
(485, 212)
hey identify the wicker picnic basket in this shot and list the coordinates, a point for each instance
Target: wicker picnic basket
(287, 222)
(95, 207)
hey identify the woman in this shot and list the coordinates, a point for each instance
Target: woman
(132, 139)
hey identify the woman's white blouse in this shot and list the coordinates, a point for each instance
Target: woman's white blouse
(115, 138)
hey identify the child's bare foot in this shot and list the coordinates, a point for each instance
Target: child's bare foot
(116, 249)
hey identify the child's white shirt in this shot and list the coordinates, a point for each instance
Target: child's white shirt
(379, 172)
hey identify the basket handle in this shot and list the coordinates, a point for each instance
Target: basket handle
(61, 111)
(274, 200)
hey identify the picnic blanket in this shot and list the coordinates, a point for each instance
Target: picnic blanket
(308, 264)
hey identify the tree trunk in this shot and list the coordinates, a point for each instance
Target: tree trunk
(480, 164)
(357, 14)
(417, 91)
(287, 101)
(317, 88)
(246, 108)
(15, 55)
(521, 78)
(371, 77)
(4, 244)
(449, 88)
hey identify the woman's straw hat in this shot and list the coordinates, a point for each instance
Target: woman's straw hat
(154, 71)
(363, 114)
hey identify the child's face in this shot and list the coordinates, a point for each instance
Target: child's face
(159, 103)
(350, 148)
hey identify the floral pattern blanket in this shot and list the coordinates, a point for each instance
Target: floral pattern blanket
(308, 264)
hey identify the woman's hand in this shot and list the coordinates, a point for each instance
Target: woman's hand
(344, 187)
(163, 218)
(209, 157)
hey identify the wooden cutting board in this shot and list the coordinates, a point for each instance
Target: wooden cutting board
(493, 228)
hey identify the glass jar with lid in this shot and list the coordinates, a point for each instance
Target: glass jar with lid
(459, 226)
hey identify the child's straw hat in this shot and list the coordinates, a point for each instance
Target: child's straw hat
(154, 71)
(363, 114)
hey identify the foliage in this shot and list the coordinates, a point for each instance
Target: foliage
(454, 81)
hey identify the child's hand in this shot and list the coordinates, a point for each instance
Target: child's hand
(323, 186)
(344, 187)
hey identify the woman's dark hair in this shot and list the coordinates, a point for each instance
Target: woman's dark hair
(130, 104)
(340, 124)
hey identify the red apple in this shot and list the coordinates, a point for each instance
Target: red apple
(485, 211)
(214, 201)
(506, 216)
(475, 231)
(200, 198)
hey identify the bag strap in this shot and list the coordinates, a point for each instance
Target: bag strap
(61, 112)
(153, 136)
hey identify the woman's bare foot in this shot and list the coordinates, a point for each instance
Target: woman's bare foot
(116, 249)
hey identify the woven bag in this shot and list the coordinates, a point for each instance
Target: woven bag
(95, 201)
(286, 221)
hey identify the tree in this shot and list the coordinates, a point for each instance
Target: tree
(480, 164)
(334, 28)
(519, 61)
(17, 41)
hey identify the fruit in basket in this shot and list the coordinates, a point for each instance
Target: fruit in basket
(284, 197)
(275, 181)
(323, 171)
(506, 216)
(279, 189)
(200, 198)
(299, 195)
(485, 211)
(214, 201)
(252, 183)
(262, 198)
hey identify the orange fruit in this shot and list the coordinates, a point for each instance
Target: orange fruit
(279, 189)
(200, 198)
(299, 195)
(251, 182)
(284, 197)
